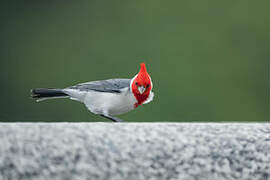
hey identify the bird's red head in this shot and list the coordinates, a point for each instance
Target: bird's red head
(141, 85)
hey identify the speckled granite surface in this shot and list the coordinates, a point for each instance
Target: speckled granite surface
(147, 151)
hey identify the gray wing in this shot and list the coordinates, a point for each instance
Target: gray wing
(110, 85)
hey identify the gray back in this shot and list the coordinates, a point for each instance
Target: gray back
(110, 85)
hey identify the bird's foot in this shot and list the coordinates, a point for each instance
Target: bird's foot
(115, 119)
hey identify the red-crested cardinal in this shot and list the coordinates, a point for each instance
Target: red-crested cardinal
(107, 97)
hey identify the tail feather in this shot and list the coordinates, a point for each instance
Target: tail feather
(43, 93)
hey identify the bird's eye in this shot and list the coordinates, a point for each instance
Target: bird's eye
(137, 84)
(148, 85)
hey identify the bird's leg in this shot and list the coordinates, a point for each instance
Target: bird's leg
(115, 119)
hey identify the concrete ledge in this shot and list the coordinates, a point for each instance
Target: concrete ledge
(134, 151)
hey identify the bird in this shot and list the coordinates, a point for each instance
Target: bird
(106, 98)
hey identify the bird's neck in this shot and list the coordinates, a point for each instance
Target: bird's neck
(141, 98)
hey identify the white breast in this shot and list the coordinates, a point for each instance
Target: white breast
(109, 103)
(106, 103)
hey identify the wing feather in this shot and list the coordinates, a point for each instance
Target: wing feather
(110, 85)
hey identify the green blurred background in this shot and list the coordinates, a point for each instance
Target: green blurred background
(209, 60)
